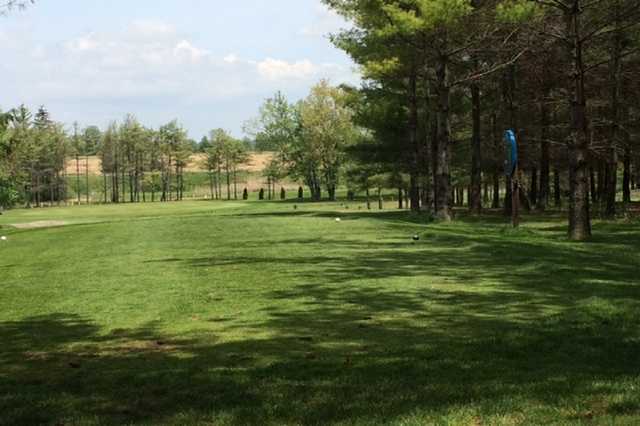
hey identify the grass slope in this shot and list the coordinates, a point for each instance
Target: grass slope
(256, 313)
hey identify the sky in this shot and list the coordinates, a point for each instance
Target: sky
(207, 63)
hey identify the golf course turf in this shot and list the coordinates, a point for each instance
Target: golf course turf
(261, 313)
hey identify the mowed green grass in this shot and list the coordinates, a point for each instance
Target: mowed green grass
(258, 313)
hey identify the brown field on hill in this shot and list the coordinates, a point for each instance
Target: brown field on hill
(252, 179)
(257, 163)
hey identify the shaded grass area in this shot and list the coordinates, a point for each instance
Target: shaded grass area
(264, 314)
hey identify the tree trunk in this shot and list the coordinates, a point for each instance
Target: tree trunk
(600, 181)
(104, 175)
(413, 141)
(368, 199)
(533, 190)
(485, 191)
(626, 176)
(86, 174)
(235, 183)
(579, 214)
(512, 200)
(615, 69)
(495, 204)
(442, 173)
(475, 192)
(545, 148)
(557, 192)
(592, 183)
(78, 177)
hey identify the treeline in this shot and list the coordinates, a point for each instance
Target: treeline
(443, 80)
(310, 138)
(33, 154)
(138, 163)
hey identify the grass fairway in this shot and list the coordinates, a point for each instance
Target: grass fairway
(256, 313)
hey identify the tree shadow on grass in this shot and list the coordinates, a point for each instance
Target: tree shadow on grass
(324, 364)
(504, 325)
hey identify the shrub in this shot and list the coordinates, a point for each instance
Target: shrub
(351, 195)
(261, 194)
(245, 194)
(283, 194)
(8, 194)
(300, 193)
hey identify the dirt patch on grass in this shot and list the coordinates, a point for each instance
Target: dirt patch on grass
(40, 224)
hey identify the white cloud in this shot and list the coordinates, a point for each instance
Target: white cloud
(135, 63)
(231, 58)
(82, 44)
(147, 65)
(274, 69)
(186, 49)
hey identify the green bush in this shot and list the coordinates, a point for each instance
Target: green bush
(261, 194)
(300, 193)
(245, 194)
(283, 194)
(8, 194)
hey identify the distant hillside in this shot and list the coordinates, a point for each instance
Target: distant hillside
(257, 163)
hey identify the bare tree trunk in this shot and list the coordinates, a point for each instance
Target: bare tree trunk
(600, 181)
(413, 141)
(235, 183)
(626, 176)
(368, 199)
(533, 189)
(86, 173)
(512, 199)
(442, 173)
(229, 182)
(592, 183)
(485, 191)
(124, 186)
(169, 191)
(475, 192)
(579, 214)
(104, 178)
(78, 177)
(495, 204)
(615, 70)
(211, 190)
(557, 191)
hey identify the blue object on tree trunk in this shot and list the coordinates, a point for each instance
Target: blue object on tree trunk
(511, 162)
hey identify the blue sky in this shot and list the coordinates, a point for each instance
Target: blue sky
(208, 63)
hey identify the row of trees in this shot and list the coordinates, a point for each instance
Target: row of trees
(224, 155)
(137, 163)
(443, 79)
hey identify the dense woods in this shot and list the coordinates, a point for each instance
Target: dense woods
(443, 79)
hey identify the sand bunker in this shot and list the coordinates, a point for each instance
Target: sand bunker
(39, 224)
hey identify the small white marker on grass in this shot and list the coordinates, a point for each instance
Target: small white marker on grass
(338, 219)
(3, 238)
